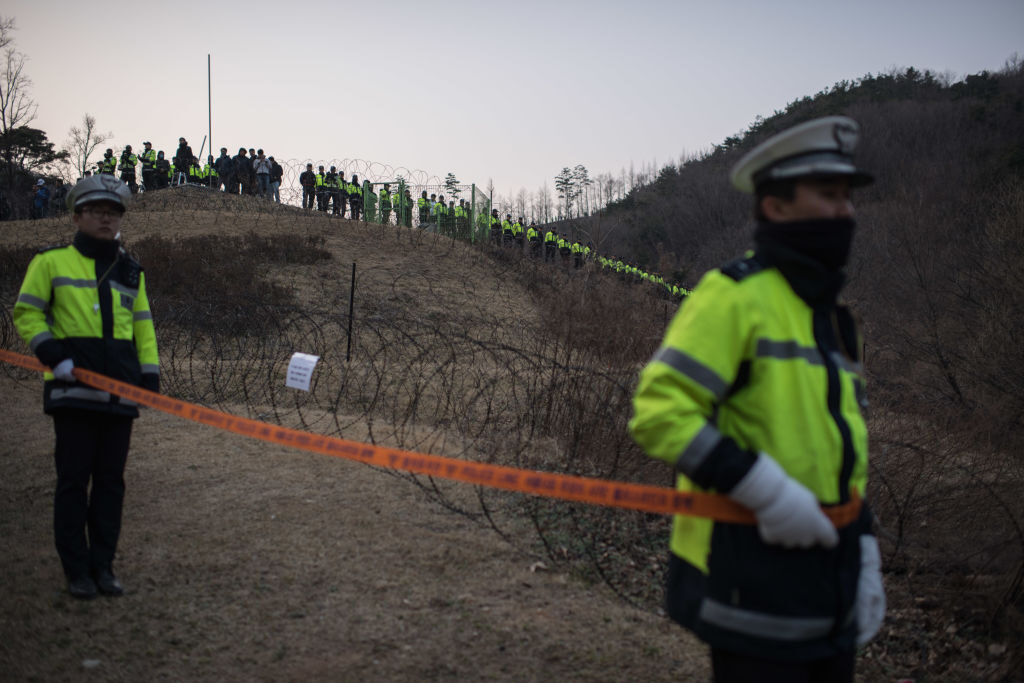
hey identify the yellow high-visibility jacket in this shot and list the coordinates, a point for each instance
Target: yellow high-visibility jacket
(748, 367)
(87, 301)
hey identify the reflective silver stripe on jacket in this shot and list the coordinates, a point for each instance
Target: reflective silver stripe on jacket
(81, 393)
(767, 348)
(786, 350)
(87, 395)
(72, 282)
(692, 368)
(846, 364)
(142, 315)
(118, 287)
(152, 369)
(39, 339)
(761, 625)
(35, 301)
(698, 449)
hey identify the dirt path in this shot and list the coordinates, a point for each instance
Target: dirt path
(244, 561)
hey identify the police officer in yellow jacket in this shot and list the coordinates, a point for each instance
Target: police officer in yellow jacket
(84, 305)
(756, 393)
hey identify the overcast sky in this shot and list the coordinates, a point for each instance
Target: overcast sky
(505, 91)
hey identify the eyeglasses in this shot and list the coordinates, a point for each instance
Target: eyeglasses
(102, 213)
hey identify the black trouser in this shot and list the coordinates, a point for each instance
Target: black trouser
(129, 179)
(735, 668)
(307, 197)
(90, 445)
(149, 179)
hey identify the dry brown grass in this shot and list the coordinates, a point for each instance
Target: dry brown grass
(460, 352)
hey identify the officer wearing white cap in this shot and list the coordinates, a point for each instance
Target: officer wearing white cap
(84, 305)
(756, 393)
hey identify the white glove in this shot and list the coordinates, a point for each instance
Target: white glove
(870, 603)
(787, 513)
(62, 370)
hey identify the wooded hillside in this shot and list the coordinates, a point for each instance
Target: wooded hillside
(936, 276)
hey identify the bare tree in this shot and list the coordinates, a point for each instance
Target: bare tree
(522, 198)
(17, 108)
(544, 204)
(6, 29)
(82, 142)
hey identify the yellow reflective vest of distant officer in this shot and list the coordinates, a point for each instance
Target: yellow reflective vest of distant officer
(128, 162)
(209, 173)
(108, 165)
(148, 159)
(100, 320)
(369, 203)
(748, 367)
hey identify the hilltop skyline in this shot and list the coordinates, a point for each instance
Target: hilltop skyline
(509, 93)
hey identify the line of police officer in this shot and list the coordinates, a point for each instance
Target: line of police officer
(333, 193)
(557, 247)
(157, 171)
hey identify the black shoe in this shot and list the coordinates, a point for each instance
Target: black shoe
(82, 588)
(108, 583)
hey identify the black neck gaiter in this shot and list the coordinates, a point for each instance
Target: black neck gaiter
(810, 254)
(101, 250)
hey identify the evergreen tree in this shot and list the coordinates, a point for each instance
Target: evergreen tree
(451, 186)
(564, 188)
(581, 182)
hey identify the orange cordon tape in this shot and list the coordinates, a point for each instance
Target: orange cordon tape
(567, 487)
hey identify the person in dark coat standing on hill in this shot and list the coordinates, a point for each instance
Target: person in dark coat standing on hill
(241, 165)
(163, 171)
(307, 179)
(225, 168)
(252, 184)
(183, 160)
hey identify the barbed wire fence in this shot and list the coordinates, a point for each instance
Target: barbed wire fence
(475, 380)
(538, 375)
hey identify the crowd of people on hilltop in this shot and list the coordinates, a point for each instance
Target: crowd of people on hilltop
(251, 172)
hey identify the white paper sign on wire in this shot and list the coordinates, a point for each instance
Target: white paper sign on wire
(300, 370)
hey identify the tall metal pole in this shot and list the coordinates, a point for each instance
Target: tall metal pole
(209, 103)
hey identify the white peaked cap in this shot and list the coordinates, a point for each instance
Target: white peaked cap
(821, 147)
(99, 188)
